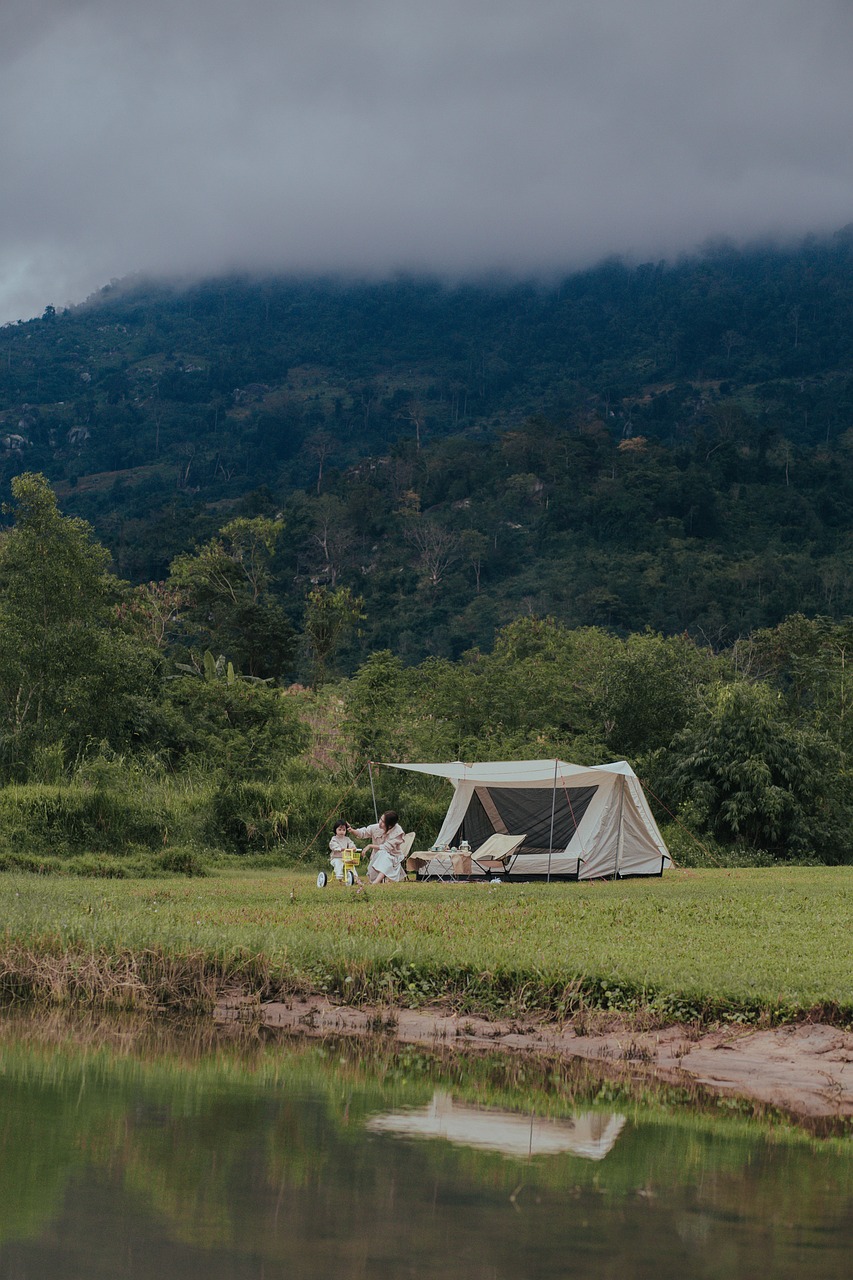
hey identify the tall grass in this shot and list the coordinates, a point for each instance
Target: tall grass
(116, 818)
(739, 946)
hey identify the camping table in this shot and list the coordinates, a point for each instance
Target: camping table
(455, 865)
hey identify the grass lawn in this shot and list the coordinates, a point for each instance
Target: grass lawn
(736, 944)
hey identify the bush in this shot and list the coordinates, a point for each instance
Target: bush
(248, 730)
(128, 820)
(248, 817)
(690, 850)
(743, 773)
(183, 861)
(44, 819)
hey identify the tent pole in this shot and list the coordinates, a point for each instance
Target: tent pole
(553, 806)
(372, 792)
(620, 837)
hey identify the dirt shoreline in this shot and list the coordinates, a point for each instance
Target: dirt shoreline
(804, 1069)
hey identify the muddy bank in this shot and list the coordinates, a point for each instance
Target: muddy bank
(804, 1069)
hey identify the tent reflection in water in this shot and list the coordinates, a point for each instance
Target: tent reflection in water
(590, 1134)
(584, 822)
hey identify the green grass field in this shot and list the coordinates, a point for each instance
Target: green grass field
(743, 945)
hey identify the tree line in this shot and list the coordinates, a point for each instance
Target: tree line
(748, 745)
(664, 446)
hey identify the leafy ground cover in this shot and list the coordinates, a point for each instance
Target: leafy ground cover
(741, 945)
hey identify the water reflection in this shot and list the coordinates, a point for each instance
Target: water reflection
(125, 1151)
(590, 1134)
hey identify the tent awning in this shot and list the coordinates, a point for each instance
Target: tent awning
(514, 773)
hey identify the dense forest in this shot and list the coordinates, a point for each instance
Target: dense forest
(259, 532)
(662, 445)
(118, 738)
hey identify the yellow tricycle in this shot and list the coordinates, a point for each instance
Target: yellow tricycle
(350, 859)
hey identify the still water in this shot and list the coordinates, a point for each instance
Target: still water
(135, 1151)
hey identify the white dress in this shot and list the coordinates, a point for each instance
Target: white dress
(387, 860)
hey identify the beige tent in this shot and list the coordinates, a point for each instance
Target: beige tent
(579, 822)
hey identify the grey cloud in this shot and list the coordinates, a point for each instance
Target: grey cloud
(188, 136)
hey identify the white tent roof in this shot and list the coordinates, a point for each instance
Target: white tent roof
(515, 773)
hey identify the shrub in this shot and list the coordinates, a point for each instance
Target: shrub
(248, 816)
(249, 730)
(743, 773)
(182, 861)
(40, 818)
(689, 850)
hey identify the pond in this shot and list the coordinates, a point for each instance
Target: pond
(138, 1150)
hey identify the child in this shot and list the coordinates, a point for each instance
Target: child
(339, 843)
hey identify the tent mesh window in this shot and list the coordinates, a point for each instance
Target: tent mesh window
(527, 809)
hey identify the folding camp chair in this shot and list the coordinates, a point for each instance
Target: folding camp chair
(406, 849)
(494, 853)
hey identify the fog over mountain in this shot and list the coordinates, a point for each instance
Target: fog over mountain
(368, 136)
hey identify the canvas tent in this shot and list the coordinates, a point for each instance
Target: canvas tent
(579, 821)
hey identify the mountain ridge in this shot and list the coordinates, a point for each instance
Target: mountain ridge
(658, 445)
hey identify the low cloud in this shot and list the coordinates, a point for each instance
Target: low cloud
(367, 136)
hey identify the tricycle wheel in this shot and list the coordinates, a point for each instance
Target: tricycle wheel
(350, 878)
(322, 880)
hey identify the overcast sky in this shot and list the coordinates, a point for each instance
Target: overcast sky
(197, 136)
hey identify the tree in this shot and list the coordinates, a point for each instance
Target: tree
(69, 673)
(330, 618)
(810, 660)
(246, 729)
(321, 445)
(546, 678)
(152, 610)
(331, 537)
(374, 699)
(414, 413)
(649, 689)
(730, 340)
(745, 774)
(228, 605)
(476, 547)
(438, 547)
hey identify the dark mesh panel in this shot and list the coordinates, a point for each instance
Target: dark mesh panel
(476, 826)
(529, 809)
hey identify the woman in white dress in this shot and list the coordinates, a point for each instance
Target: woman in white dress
(386, 839)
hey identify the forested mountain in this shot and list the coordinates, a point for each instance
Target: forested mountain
(607, 517)
(665, 445)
